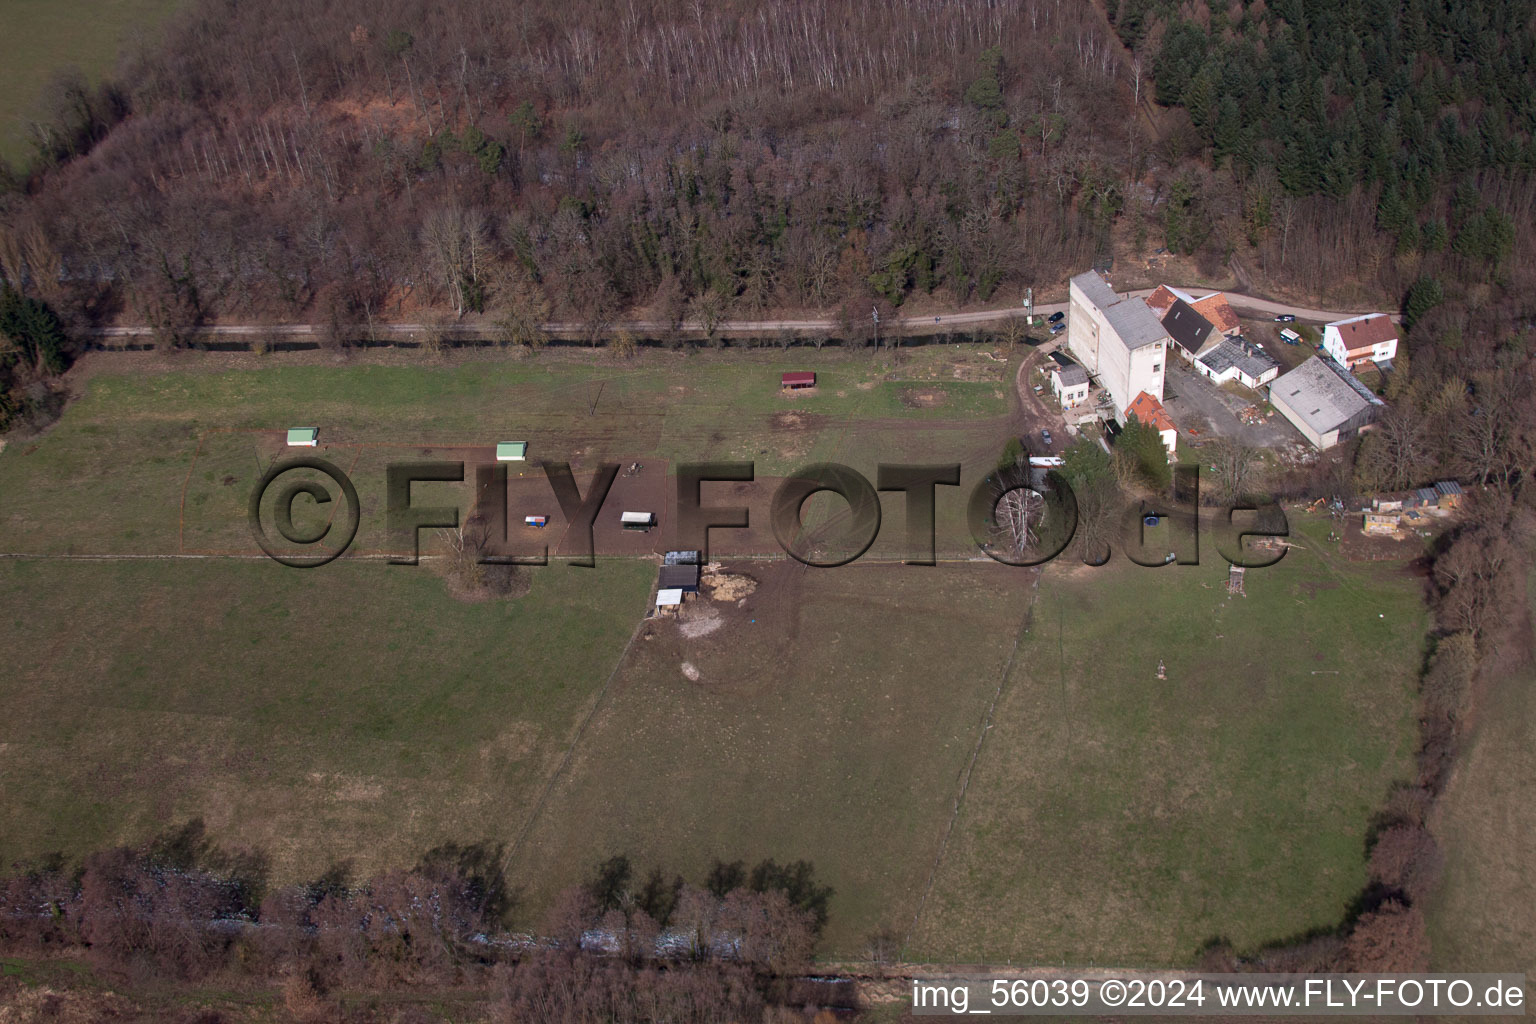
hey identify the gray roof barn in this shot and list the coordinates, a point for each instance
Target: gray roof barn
(1324, 401)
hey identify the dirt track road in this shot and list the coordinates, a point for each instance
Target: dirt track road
(1242, 303)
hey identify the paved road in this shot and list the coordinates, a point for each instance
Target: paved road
(1242, 303)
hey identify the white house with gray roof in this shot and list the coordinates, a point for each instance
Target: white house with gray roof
(1117, 339)
(1235, 359)
(1324, 401)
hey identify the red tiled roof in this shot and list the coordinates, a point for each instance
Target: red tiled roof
(1364, 335)
(1162, 300)
(1150, 411)
(1214, 307)
(801, 377)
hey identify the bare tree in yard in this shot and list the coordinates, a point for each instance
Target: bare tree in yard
(471, 560)
(1237, 467)
(1019, 513)
(1098, 504)
(623, 344)
(524, 311)
(1396, 452)
(1013, 332)
(708, 311)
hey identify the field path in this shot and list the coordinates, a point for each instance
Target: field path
(970, 766)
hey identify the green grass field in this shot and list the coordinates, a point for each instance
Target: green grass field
(43, 37)
(1127, 819)
(830, 721)
(130, 440)
(352, 713)
(359, 713)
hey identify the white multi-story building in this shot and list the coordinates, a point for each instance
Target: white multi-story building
(1118, 339)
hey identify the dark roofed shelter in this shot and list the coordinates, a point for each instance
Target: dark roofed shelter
(1189, 330)
(797, 380)
(679, 577)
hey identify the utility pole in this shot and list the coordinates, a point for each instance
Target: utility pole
(1029, 305)
(875, 312)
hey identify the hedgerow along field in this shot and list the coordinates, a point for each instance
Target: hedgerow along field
(1480, 917)
(358, 713)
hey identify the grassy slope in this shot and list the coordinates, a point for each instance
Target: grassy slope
(356, 711)
(127, 444)
(1129, 819)
(1481, 918)
(352, 712)
(830, 722)
(42, 37)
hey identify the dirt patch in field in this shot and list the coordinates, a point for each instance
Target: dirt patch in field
(727, 586)
(792, 420)
(923, 398)
(974, 373)
(698, 618)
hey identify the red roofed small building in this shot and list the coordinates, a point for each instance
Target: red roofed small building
(1371, 338)
(1151, 412)
(797, 381)
(1215, 308)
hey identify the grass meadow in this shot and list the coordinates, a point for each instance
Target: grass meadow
(359, 714)
(43, 37)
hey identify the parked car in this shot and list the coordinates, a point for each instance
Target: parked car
(1285, 318)
(1058, 328)
(1056, 317)
(1045, 435)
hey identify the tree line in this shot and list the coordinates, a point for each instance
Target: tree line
(180, 910)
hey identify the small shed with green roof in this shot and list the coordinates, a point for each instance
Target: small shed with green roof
(303, 437)
(512, 451)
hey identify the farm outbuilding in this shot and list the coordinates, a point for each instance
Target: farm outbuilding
(669, 598)
(1381, 523)
(679, 577)
(1448, 494)
(638, 520)
(511, 451)
(303, 437)
(1324, 401)
(797, 381)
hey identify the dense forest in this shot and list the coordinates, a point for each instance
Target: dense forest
(346, 162)
(351, 160)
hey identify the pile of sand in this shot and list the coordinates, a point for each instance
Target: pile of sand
(726, 586)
